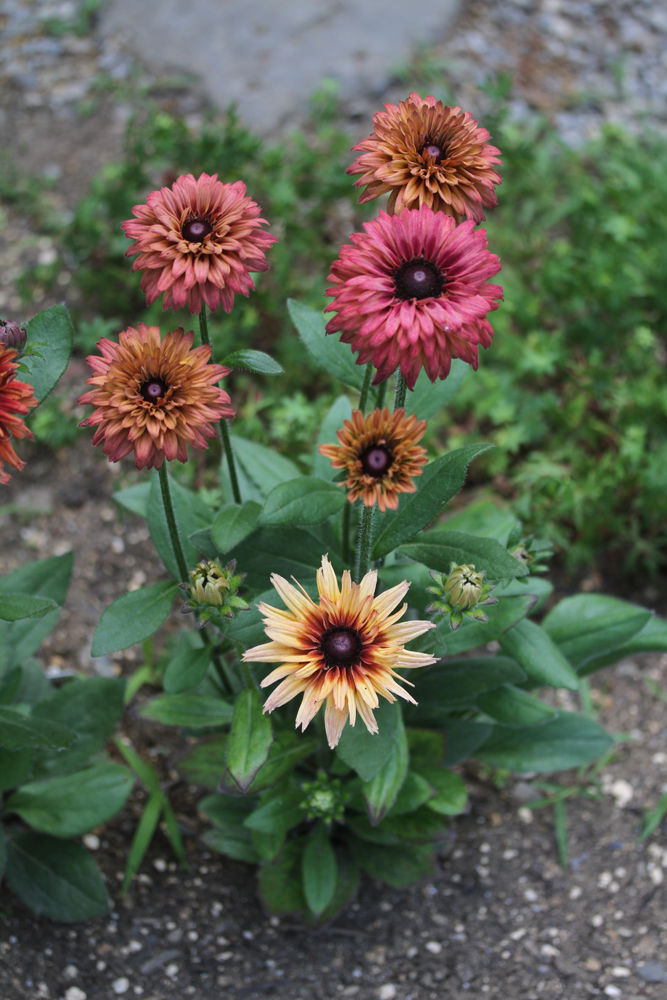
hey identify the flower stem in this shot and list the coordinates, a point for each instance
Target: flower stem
(365, 388)
(347, 513)
(171, 522)
(381, 393)
(224, 430)
(400, 391)
(364, 542)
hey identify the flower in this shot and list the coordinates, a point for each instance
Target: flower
(212, 592)
(16, 398)
(425, 153)
(380, 454)
(153, 396)
(197, 242)
(343, 650)
(410, 292)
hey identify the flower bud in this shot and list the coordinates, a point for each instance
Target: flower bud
(463, 587)
(12, 335)
(323, 798)
(212, 592)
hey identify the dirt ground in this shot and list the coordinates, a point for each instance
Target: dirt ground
(500, 918)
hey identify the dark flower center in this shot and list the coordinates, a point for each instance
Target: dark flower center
(340, 647)
(418, 279)
(153, 389)
(376, 460)
(433, 150)
(196, 230)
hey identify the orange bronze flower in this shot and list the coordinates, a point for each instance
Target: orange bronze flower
(342, 650)
(16, 398)
(154, 397)
(424, 153)
(381, 455)
(197, 242)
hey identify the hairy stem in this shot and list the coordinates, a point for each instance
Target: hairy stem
(171, 522)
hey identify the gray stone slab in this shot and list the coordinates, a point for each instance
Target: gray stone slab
(268, 57)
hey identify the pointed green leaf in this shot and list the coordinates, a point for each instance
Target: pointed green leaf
(146, 827)
(233, 523)
(191, 711)
(327, 351)
(397, 866)
(14, 767)
(278, 813)
(442, 641)
(252, 361)
(16, 606)
(440, 547)
(265, 467)
(318, 870)
(591, 629)
(438, 483)
(55, 877)
(50, 334)
(186, 669)
(135, 498)
(280, 884)
(71, 805)
(510, 706)
(204, 763)
(450, 791)
(455, 683)
(569, 740)
(340, 411)
(283, 550)
(366, 753)
(250, 738)
(190, 513)
(3, 852)
(286, 750)
(303, 501)
(538, 655)
(133, 617)
(48, 578)
(381, 791)
(428, 398)
(235, 844)
(19, 732)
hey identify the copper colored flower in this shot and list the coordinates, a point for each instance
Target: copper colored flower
(411, 293)
(381, 455)
(424, 153)
(153, 396)
(16, 398)
(342, 650)
(197, 242)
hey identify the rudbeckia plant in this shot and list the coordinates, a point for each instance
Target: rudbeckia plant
(328, 700)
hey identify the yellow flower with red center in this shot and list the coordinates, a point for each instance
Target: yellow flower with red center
(16, 398)
(381, 455)
(154, 397)
(425, 153)
(341, 651)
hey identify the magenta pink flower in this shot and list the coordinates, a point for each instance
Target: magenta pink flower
(196, 242)
(411, 293)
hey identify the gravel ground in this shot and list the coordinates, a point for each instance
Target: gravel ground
(500, 918)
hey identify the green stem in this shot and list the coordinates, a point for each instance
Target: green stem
(399, 394)
(381, 393)
(364, 542)
(347, 514)
(366, 387)
(171, 522)
(224, 430)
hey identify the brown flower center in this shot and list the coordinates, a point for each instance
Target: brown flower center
(153, 389)
(196, 230)
(418, 279)
(433, 150)
(376, 460)
(340, 647)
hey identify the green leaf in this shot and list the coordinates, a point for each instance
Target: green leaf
(397, 866)
(485, 517)
(3, 853)
(228, 812)
(456, 683)
(74, 804)
(135, 498)
(19, 732)
(569, 740)
(186, 669)
(441, 641)
(48, 578)
(366, 753)
(233, 523)
(50, 334)
(89, 706)
(591, 629)
(438, 483)
(191, 711)
(190, 513)
(285, 752)
(204, 763)
(510, 706)
(278, 813)
(283, 550)
(146, 827)
(450, 791)
(133, 617)
(250, 738)
(329, 354)
(253, 361)
(280, 883)
(440, 547)
(14, 767)
(428, 398)
(235, 844)
(16, 606)
(538, 655)
(381, 791)
(462, 738)
(318, 870)
(339, 411)
(303, 501)
(414, 792)
(265, 467)
(55, 877)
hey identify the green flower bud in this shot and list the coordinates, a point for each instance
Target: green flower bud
(324, 798)
(463, 587)
(212, 592)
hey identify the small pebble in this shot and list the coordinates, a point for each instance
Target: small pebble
(121, 985)
(434, 947)
(387, 992)
(74, 993)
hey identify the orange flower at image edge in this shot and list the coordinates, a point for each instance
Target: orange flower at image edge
(154, 397)
(381, 455)
(343, 650)
(16, 399)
